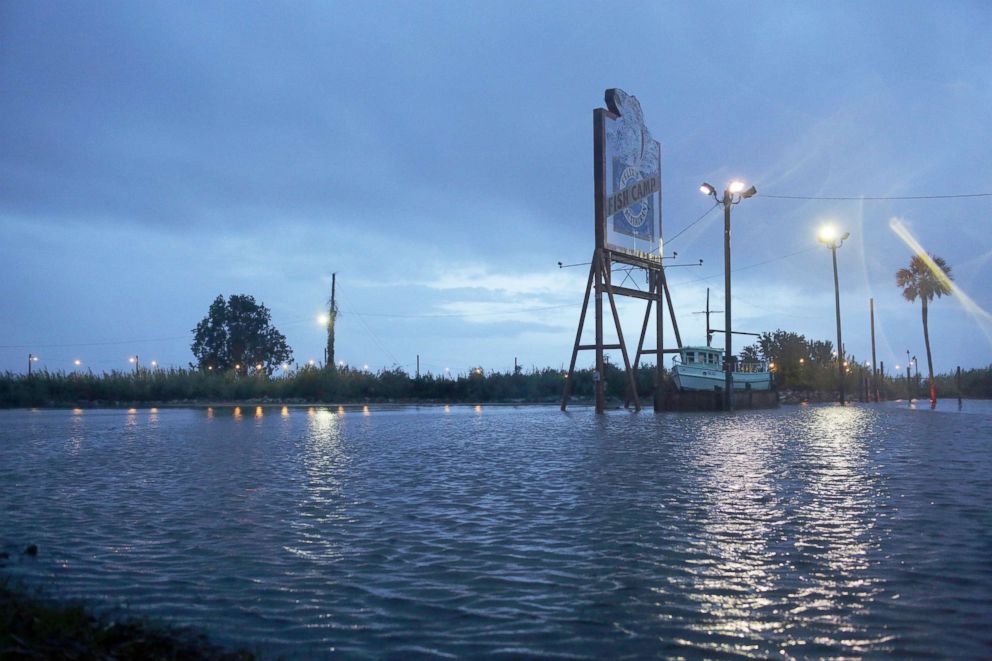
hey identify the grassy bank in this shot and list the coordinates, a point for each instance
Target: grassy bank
(32, 627)
(309, 384)
(344, 385)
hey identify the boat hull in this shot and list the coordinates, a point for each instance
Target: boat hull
(696, 378)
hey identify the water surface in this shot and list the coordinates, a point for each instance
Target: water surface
(800, 532)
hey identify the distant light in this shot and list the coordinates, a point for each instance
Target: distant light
(736, 186)
(802, 360)
(35, 358)
(827, 234)
(77, 362)
(845, 363)
(154, 363)
(340, 363)
(311, 362)
(131, 359)
(284, 367)
(365, 366)
(323, 319)
(706, 189)
(897, 367)
(210, 367)
(771, 366)
(237, 366)
(259, 366)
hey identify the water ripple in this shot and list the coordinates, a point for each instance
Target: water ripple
(802, 532)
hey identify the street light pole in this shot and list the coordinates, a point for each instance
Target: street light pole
(828, 236)
(732, 195)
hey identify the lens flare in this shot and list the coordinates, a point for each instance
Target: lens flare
(981, 317)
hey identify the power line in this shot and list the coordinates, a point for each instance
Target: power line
(683, 230)
(877, 197)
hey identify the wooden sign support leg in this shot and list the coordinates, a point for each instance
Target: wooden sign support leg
(570, 377)
(623, 347)
(671, 311)
(600, 375)
(659, 330)
(640, 342)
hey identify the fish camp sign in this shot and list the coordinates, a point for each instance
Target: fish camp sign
(628, 178)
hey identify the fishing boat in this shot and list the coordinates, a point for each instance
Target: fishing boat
(701, 368)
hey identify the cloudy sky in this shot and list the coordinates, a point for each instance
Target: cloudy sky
(438, 157)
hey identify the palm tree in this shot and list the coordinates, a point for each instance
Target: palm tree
(926, 277)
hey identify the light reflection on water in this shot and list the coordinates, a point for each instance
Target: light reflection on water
(807, 531)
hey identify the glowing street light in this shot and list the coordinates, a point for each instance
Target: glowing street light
(134, 361)
(831, 237)
(77, 362)
(323, 320)
(733, 194)
(154, 363)
(31, 359)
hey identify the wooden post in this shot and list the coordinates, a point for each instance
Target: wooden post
(659, 331)
(874, 369)
(599, 381)
(604, 266)
(958, 379)
(570, 376)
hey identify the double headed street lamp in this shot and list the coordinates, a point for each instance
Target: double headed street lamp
(732, 195)
(830, 237)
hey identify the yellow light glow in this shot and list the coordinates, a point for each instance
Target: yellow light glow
(802, 360)
(259, 366)
(258, 411)
(736, 186)
(237, 366)
(237, 411)
(827, 234)
(285, 411)
(771, 366)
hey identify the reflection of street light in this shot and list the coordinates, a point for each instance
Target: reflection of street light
(733, 194)
(831, 238)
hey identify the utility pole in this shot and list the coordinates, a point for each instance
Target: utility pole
(874, 370)
(733, 194)
(418, 366)
(31, 359)
(332, 314)
(828, 236)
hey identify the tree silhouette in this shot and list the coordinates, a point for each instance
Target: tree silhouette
(238, 334)
(926, 277)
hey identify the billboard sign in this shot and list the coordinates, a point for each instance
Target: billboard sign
(628, 178)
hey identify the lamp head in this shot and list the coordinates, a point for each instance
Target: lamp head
(736, 186)
(706, 189)
(827, 234)
(750, 192)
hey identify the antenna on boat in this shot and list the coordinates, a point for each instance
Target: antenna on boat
(707, 312)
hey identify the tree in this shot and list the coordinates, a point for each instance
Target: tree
(238, 334)
(926, 277)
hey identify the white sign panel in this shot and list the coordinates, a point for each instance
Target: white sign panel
(631, 171)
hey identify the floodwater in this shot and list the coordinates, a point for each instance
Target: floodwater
(467, 531)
